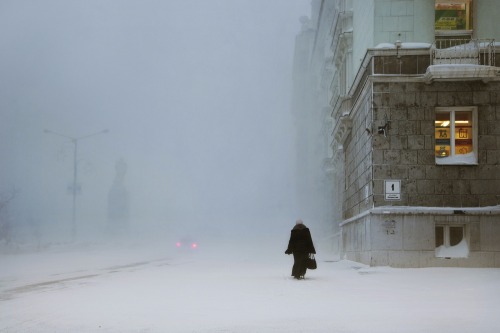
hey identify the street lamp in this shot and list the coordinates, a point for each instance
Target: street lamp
(75, 169)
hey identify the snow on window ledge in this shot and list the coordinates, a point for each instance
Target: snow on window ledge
(465, 159)
(461, 250)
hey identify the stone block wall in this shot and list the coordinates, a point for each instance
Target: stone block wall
(407, 153)
(408, 240)
(358, 160)
(394, 20)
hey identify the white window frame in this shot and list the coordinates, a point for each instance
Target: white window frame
(446, 231)
(446, 240)
(453, 159)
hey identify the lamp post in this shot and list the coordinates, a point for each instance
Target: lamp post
(74, 191)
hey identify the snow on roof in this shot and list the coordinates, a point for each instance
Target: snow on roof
(413, 45)
(385, 46)
(473, 44)
(416, 45)
(420, 210)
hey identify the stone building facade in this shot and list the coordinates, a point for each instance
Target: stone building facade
(415, 131)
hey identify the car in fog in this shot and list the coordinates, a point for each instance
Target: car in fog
(186, 244)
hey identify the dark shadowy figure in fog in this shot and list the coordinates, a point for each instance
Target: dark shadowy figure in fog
(118, 201)
(300, 245)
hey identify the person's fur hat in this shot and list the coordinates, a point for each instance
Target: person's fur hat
(299, 221)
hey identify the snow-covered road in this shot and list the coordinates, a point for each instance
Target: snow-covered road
(154, 289)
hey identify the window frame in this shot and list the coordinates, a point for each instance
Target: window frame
(447, 237)
(453, 158)
(446, 233)
(469, 17)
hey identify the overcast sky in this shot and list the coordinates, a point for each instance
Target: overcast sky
(195, 94)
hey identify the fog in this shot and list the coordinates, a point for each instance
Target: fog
(194, 95)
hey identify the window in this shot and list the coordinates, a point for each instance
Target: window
(451, 242)
(456, 135)
(453, 17)
(449, 235)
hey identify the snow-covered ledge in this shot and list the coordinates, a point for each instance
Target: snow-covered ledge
(461, 72)
(462, 159)
(418, 210)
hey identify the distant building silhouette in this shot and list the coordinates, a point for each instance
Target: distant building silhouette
(118, 201)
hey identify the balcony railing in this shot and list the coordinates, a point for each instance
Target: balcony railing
(463, 51)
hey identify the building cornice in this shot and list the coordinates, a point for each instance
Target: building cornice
(414, 210)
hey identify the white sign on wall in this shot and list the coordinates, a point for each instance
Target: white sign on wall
(393, 190)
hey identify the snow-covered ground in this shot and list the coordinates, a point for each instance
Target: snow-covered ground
(234, 287)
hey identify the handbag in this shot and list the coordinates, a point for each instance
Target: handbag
(311, 262)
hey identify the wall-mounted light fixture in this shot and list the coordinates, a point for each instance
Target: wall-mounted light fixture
(385, 129)
(398, 45)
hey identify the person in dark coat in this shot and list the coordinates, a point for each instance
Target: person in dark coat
(300, 245)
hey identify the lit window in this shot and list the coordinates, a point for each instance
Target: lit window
(452, 15)
(456, 135)
(451, 242)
